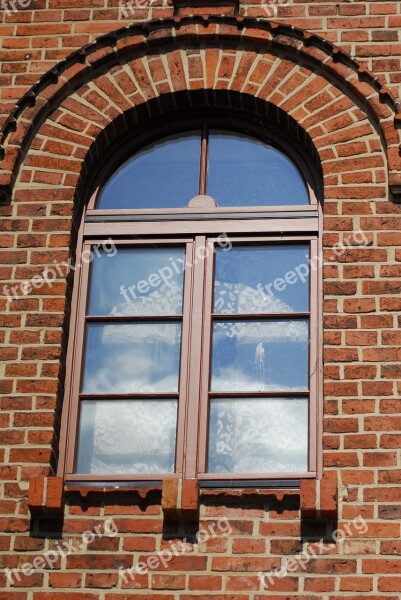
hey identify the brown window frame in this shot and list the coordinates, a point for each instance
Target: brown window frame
(195, 227)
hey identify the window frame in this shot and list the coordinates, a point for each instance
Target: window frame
(195, 226)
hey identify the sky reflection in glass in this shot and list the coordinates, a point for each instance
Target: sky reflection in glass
(246, 172)
(131, 358)
(270, 355)
(137, 281)
(258, 435)
(247, 279)
(242, 171)
(165, 174)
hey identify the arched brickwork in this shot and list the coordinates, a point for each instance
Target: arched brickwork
(344, 135)
(309, 78)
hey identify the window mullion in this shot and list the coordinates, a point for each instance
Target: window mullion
(206, 357)
(183, 400)
(193, 315)
(203, 160)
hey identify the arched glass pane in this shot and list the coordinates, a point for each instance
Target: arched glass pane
(246, 172)
(164, 174)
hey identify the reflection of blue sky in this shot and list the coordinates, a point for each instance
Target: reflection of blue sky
(242, 274)
(246, 172)
(165, 174)
(127, 436)
(162, 268)
(260, 356)
(243, 171)
(129, 358)
(264, 435)
(242, 278)
(144, 357)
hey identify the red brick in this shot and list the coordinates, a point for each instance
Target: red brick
(168, 582)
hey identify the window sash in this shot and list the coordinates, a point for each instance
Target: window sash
(78, 345)
(313, 372)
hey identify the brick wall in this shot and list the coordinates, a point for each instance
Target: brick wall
(340, 91)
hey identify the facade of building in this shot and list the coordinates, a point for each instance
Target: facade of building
(200, 300)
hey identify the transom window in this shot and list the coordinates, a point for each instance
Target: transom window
(233, 168)
(194, 349)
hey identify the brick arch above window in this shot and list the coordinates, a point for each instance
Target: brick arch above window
(350, 115)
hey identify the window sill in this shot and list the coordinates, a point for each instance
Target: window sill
(180, 498)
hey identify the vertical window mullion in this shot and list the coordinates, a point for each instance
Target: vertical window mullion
(203, 160)
(206, 359)
(195, 348)
(183, 390)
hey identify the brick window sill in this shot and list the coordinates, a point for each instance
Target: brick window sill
(180, 498)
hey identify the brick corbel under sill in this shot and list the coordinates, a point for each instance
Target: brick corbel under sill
(319, 497)
(180, 498)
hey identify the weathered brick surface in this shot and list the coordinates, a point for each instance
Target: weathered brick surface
(349, 118)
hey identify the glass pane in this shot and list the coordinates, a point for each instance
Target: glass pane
(165, 174)
(262, 279)
(127, 436)
(131, 358)
(246, 172)
(268, 435)
(260, 356)
(137, 281)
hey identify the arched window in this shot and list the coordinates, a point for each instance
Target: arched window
(194, 350)
(240, 171)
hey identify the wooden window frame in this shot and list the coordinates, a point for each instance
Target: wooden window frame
(195, 227)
